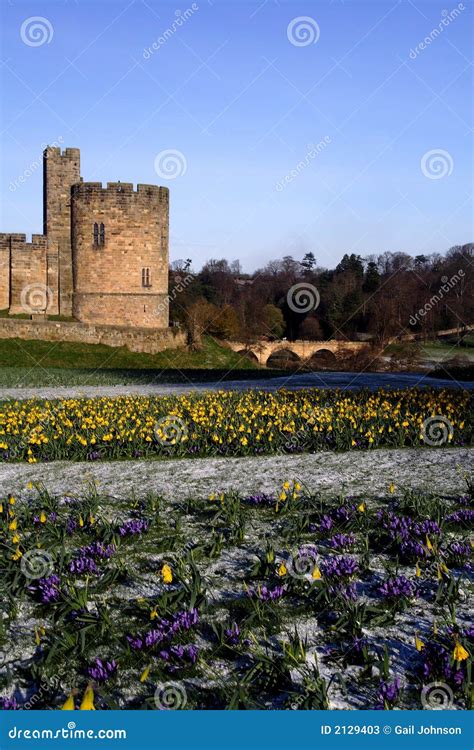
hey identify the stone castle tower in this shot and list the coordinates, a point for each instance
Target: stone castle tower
(103, 254)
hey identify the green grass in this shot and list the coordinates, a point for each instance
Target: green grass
(45, 363)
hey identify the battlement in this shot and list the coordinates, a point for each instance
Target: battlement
(113, 189)
(67, 153)
(17, 238)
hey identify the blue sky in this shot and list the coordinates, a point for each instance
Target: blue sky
(241, 92)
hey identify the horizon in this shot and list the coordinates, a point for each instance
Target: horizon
(356, 141)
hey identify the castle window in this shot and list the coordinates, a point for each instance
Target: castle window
(146, 277)
(99, 234)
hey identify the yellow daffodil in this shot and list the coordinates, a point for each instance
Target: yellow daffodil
(460, 653)
(361, 508)
(417, 571)
(166, 574)
(87, 703)
(391, 488)
(43, 517)
(419, 643)
(13, 525)
(282, 571)
(69, 704)
(145, 673)
(316, 574)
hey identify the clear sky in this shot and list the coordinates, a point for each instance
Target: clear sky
(337, 133)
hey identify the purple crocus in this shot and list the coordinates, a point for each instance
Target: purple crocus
(133, 527)
(396, 587)
(101, 671)
(46, 589)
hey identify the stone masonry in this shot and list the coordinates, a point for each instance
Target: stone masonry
(103, 254)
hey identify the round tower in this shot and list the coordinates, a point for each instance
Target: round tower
(120, 254)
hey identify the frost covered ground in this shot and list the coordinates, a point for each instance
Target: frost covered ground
(285, 601)
(331, 473)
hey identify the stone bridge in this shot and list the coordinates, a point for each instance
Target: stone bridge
(262, 351)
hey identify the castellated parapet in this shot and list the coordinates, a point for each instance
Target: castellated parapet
(120, 254)
(103, 256)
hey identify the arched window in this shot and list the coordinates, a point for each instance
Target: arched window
(146, 277)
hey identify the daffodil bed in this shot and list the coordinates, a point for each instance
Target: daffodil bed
(285, 600)
(232, 424)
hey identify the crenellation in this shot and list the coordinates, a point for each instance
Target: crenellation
(103, 254)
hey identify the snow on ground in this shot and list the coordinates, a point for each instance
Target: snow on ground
(354, 472)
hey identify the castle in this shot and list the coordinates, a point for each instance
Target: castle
(103, 254)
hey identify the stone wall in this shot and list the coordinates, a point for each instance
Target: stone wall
(31, 285)
(109, 278)
(143, 340)
(60, 172)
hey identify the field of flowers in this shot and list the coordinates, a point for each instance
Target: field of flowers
(286, 601)
(232, 424)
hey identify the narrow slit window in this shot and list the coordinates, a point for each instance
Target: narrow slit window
(146, 277)
(102, 235)
(96, 234)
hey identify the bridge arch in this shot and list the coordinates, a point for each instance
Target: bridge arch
(284, 354)
(322, 358)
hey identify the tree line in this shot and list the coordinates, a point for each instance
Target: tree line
(378, 297)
